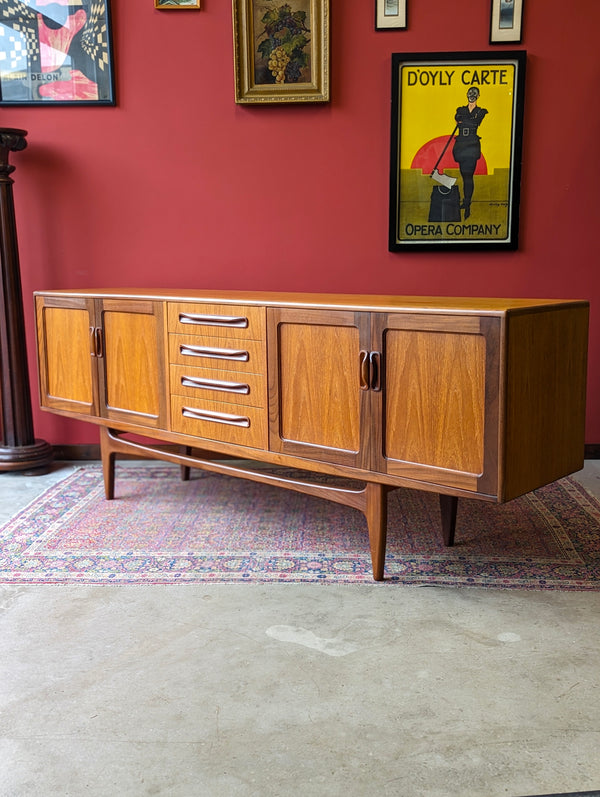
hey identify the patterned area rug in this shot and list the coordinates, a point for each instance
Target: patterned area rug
(217, 529)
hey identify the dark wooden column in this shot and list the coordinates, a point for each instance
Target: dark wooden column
(19, 449)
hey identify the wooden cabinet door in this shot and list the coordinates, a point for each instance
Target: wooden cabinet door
(130, 355)
(317, 409)
(67, 372)
(438, 407)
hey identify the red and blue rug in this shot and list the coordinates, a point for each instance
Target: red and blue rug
(219, 529)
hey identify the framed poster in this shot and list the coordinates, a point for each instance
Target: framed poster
(456, 141)
(55, 52)
(281, 50)
(506, 21)
(390, 14)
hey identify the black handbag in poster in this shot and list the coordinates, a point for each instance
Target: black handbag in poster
(444, 204)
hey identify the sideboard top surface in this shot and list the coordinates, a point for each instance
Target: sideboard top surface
(358, 302)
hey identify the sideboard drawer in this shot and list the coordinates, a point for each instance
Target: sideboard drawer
(215, 384)
(215, 420)
(217, 320)
(221, 353)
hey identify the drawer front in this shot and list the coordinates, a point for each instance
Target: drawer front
(217, 320)
(230, 354)
(215, 420)
(232, 387)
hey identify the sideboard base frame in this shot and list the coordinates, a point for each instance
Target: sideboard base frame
(371, 499)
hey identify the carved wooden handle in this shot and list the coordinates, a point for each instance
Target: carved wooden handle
(375, 370)
(220, 354)
(99, 342)
(216, 417)
(363, 364)
(215, 384)
(241, 322)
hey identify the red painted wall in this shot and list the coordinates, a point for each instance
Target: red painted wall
(178, 187)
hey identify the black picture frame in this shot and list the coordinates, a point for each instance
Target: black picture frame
(454, 186)
(55, 54)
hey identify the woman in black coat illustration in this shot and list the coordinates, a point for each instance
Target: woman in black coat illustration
(467, 147)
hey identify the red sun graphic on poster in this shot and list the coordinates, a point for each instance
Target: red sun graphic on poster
(427, 156)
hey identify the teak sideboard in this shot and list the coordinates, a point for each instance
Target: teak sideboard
(468, 398)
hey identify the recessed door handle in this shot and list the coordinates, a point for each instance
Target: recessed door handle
(375, 370)
(363, 369)
(99, 342)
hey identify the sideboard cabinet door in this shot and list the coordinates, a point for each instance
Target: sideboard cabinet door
(66, 367)
(317, 409)
(102, 358)
(438, 406)
(130, 355)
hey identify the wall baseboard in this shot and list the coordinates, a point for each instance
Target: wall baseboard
(79, 452)
(90, 452)
(87, 452)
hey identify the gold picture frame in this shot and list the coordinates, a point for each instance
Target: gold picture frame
(171, 5)
(281, 51)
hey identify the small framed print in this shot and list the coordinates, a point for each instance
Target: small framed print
(506, 21)
(172, 4)
(390, 14)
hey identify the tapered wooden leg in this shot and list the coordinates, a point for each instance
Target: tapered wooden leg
(448, 506)
(185, 469)
(376, 514)
(108, 464)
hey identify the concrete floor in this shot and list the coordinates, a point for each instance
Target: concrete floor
(224, 690)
